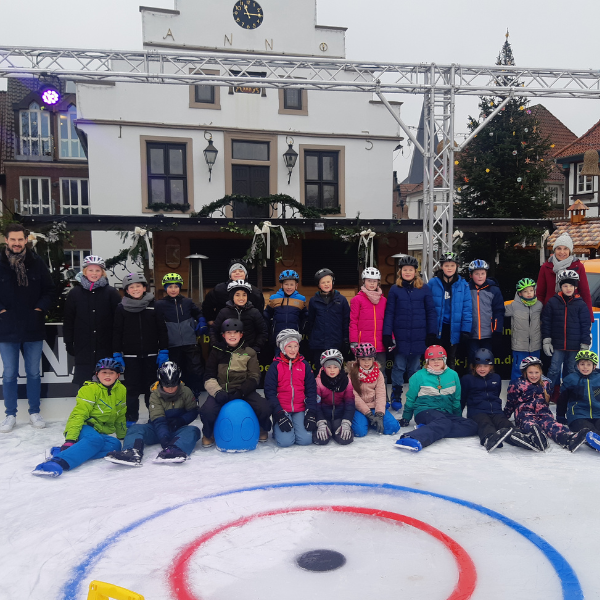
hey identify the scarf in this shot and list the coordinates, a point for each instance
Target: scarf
(134, 305)
(166, 396)
(336, 384)
(369, 376)
(433, 372)
(528, 302)
(560, 265)
(86, 284)
(17, 264)
(373, 296)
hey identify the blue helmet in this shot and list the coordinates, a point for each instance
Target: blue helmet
(289, 274)
(478, 264)
(109, 363)
(483, 356)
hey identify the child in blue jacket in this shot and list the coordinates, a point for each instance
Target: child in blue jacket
(452, 300)
(286, 308)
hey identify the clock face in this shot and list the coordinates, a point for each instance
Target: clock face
(248, 14)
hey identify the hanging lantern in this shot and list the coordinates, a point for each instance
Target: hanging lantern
(590, 163)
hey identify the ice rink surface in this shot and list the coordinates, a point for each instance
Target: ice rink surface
(450, 522)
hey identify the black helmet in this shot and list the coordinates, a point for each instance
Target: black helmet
(169, 374)
(408, 261)
(232, 325)
(483, 356)
(323, 273)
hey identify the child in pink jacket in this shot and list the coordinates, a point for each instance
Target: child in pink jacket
(369, 394)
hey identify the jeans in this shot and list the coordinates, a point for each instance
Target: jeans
(360, 424)
(561, 359)
(184, 438)
(298, 434)
(89, 445)
(517, 357)
(403, 363)
(32, 356)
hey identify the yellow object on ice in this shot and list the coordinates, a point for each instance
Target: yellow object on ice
(107, 591)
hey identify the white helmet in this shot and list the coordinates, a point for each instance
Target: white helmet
(240, 284)
(332, 354)
(93, 260)
(371, 273)
(568, 276)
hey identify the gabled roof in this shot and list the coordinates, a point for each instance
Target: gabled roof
(589, 140)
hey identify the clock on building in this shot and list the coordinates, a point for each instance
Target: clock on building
(248, 14)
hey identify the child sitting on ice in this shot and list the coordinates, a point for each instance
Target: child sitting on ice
(434, 398)
(99, 411)
(336, 407)
(172, 408)
(369, 394)
(528, 398)
(292, 393)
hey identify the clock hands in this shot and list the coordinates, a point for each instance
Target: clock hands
(250, 14)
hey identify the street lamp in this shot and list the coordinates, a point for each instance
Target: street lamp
(290, 156)
(210, 154)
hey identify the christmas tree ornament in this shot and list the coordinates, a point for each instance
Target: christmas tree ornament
(552, 145)
(460, 189)
(491, 134)
(455, 162)
(514, 152)
(466, 180)
(521, 107)
(519, 179)
(527, 160)
(528, 112)
(514, 132)
(526, 130)
(487, 170)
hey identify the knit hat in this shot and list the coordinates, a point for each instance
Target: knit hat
(564, 239)
(237, 264)
(286, 336)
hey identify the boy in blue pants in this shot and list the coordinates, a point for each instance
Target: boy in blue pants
(172, 408)
(99, 411)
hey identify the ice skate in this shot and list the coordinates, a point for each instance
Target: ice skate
(573, 441)
(523, 440)
(408, 443)
(48, 469)
(171, 455)
(495, 440)
(130, 457)
(539, 438)
(593, 440)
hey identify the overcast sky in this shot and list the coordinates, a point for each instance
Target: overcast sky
(547, 33)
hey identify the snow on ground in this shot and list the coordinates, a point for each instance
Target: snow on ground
(130, 526)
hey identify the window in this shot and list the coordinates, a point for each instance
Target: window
(244, 150)
(35, 131)
(292, 99)
(74, 259)
(248, 89)
(321, 179)
(74, 197)
(555, 198)
(585, 183)
(204, 94)
(167, 178)
(70, 146)
(35, 196)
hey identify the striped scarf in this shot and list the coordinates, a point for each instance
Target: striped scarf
(17, 264)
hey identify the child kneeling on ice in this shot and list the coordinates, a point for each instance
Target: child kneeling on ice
(369, 394)
(434, 398)
(99, 411)
(172, 408)
(335, 396)
(528, 398)
(480, 391)
(291, 391)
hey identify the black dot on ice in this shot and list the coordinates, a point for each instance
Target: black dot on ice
(320, 561)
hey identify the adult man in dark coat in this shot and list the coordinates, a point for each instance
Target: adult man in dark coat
(26, 295)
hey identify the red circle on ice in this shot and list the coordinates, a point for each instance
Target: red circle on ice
(467, 575)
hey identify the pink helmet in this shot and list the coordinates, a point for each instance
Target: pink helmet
(365, 351)
(435, 352)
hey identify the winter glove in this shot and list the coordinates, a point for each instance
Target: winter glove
(310, 420)
(202, 326)
(118, 357)
(344, 430)
(70, 348)
(221, 397)
(584, 346)
(67, 445)
(246, 388)
(465, 336)
(163, 357)
(547, 345)
(431, 340)
(283, 420)
(404, 422)
(376, 421)
(388, 342)
(323, 431)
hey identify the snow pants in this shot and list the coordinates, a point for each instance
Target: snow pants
(89, 445)
(438, 425)
(140, 374)
(333, 426)
(360, 424)
(190, 361)
(298, 434)
(591, 424)
(184, 438)
(488, 424)
(544, 421)
(210, 410)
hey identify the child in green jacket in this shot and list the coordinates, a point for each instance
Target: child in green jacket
(434, 398)
(99, 412)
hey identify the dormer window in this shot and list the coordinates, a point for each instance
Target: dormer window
(35, 138)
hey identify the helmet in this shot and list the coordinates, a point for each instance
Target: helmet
(332, 354)
(93, 260)
(525, 283)
(109, 363)
(449, 257)
(408, 261)
(587, 355)
(435, 352)
(169, 374)
(364, 351)
(232, 325)
(478, 264)
(371, 273)
(528, 361)
(133, 278)
(171, 278)
(323, 273)
(289, 274)
(285, 336)
(483, 356)
(568, 276)
(240, 284)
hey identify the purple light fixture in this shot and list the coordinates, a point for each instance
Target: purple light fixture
(50, 96)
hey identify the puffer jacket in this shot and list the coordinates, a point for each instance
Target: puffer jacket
(99, 407)
(366, 320)
(526, 325)
(255, 330)
(232, 370)
(546, 284)
(285, 312)
(461, 318)
(481, 394)
(581, 393)
(565, 321)
(527, 399)
(433, 392)
(488, 309)
(335, 405)
(328, 323)
(410, 315)
(167, 416)
(290, 385)
(181, 317)
(217, 298)
(368, 396)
